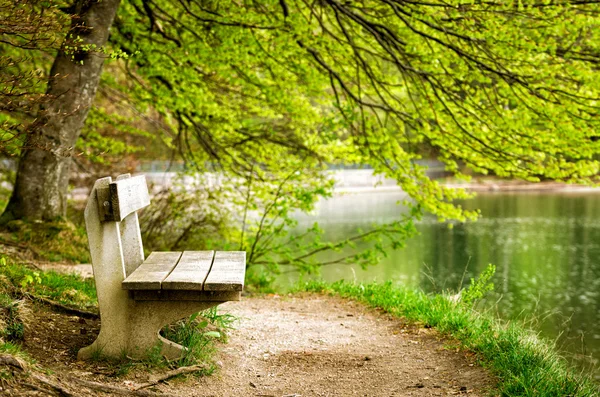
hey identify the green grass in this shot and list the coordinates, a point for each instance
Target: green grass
(199, 334)
(11, 348)
(11, 325)
(16, 278)
(68, 289)
(12, 331)
(524, 364)
(14, 350)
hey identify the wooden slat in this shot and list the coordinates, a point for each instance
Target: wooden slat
(128, 195)
(150, 274)
(179, 295)
(227, 272)
(190, 272)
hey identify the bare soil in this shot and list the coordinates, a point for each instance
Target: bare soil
(310, 345)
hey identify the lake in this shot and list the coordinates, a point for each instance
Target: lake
(546, 248)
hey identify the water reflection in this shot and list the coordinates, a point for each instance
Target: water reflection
(545, 247)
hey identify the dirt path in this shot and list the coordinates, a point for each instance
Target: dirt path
(286, 346)
(323, 346)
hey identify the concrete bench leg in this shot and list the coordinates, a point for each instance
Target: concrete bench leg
(133, 332)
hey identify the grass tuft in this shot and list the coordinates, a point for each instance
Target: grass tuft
(524, 364)
(199, 334)
(12, 328)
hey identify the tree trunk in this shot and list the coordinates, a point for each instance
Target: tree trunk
(44, 167)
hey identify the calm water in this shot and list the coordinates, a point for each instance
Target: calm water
(546, 248)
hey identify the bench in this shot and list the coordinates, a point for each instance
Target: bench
(138, 296)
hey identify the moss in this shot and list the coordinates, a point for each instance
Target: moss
(53, 241)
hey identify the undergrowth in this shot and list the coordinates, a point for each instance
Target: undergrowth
(523, 363)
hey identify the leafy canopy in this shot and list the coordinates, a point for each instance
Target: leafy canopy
(30, 30)
(508, 88)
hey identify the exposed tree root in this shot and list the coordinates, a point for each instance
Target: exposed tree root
(62, 308)
(22, 247)
(56, 305)
(17, 363)
(63, 391)
(55, 387)
(112, 389)
(9, 359)
(38, 388)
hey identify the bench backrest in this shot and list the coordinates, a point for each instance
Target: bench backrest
(112, 225)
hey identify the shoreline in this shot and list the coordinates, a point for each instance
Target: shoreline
(483, 187)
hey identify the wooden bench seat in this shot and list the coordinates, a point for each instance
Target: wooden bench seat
(138, 297)
(192, 275)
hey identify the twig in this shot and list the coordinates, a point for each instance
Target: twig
(112, 389)
(171, 374)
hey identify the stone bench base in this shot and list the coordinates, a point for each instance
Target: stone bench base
(138, 297)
